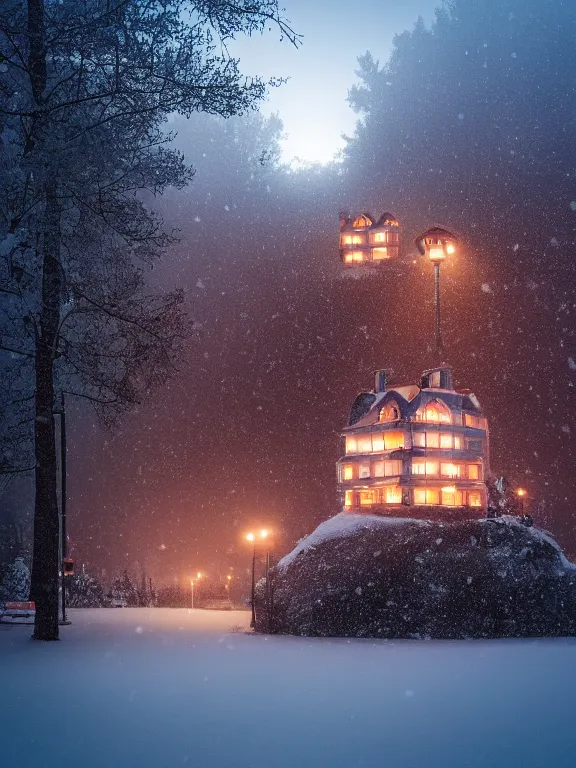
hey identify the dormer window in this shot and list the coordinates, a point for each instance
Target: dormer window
(434, 413)
(390, 412)
(361, 222)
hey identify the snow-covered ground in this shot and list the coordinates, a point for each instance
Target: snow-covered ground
(161, 687)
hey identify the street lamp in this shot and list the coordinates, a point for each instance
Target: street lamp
(198, 577)
(261, 535)
(521, 493)
(436, 243)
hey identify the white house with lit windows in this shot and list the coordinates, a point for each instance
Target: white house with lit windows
(365, 239)
(416, 451)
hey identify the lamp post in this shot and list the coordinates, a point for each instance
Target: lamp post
(253, 538)
(198, 577)
(436, 243)
(521, 493)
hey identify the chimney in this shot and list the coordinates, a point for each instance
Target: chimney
(344, 217)
(380, 381)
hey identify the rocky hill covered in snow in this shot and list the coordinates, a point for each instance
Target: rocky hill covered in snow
(369, 576)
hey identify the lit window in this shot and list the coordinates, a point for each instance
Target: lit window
(356, 256)
(434, 413)
(356, 239)
(476, 422)
(351, 445)
(432, 440)
(392, 468)
(364, 471)
(450, 470)
(445, 441)
(474, 471)
(380, 237)
(364, 443)
(451, 498)
(390, 412)
(378, 254)
(377, 442)
(348, 498)
(426, 496)
(419, 439)
(425, 468)
(393, 440)
(347, 240)
(457, 442)
(362, 221)
(394, 495)
(475, 499)
(348, 472)
(378, 469)
(366, 498)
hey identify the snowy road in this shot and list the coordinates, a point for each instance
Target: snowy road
(161, 687)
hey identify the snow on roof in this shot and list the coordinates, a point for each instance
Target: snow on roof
(344, 523)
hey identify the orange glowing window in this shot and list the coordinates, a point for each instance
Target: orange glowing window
(379, 254)
(393, 440)
(364, 443)
(348, 498)
(451, 498)
(457, 442)
(364, 471)
(425, 468)
(348, 472)
(351, 445)
(476, 422)
(474, 471)
(419, 439)
(390, 412)
(445, 441)
(362, 221)
(377, 442)
(378, 469)
(380, 237)
(450, 470)
(434, 413)
(392, 468)
(393, 495)
(426, 496)
(475, 499)
(432, 440)
(366, 498)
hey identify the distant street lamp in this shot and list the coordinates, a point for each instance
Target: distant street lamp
(261, 535)
(521, 493)
(436, 243)
(198, 577)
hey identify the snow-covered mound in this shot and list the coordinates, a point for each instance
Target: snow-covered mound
(368, 576)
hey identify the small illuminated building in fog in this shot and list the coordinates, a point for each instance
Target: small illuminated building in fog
(415, 451)
(363, 239)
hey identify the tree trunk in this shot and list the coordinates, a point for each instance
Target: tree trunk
(45, 563)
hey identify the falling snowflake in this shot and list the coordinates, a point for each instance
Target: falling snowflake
(486, 288)
(566, 429)
(572, 364)
(199, 283)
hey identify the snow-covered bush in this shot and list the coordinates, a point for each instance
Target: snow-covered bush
(16, 582)
(368, 576)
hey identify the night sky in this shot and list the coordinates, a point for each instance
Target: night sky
(246, 431)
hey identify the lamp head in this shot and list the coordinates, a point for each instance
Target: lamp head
(436, 243)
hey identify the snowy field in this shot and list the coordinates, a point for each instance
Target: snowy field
(162, 687)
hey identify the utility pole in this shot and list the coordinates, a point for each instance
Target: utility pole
(64, 541)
